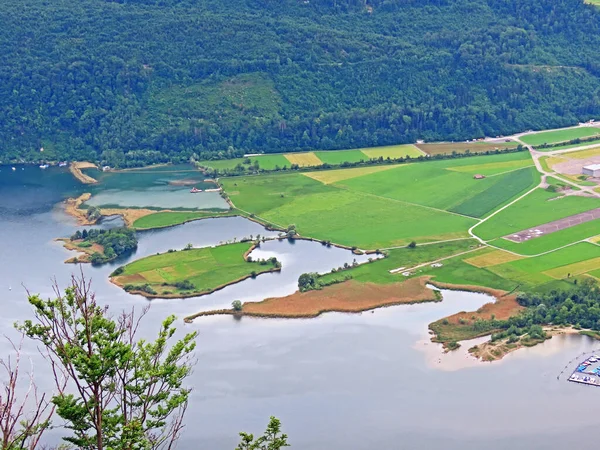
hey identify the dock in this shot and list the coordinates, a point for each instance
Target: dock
(587, 372)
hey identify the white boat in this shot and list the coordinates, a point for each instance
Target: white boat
(14, 168)
(62, 164)
(44, 166)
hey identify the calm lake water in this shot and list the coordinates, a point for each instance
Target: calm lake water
(341, 381)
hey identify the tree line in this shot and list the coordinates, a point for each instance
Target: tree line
(127, 83)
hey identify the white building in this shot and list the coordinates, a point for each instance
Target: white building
(592, 170)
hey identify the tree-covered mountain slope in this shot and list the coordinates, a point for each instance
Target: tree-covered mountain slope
(143, 81)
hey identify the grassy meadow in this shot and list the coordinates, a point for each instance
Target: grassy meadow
(201, 269)
(555, 136)
(537, 208)
(385, 206)
(170, 218)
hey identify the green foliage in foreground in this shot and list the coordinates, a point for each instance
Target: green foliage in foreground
(168, 218)
(140, 82)
(192, 271)
(124, 393)
(272, 439)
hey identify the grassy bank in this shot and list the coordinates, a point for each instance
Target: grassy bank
(191, 272)
(165, 219)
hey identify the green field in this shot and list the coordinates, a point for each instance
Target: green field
(168, 218)
(379, 271)
(537, 208)
(267, 162)
(552, 137)
(205, 268)
(384, 207)
(503, 189)
(341, 156)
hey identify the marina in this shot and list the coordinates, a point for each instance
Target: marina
(587, 372)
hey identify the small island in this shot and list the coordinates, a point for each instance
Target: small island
(100, 246)
(192, 272)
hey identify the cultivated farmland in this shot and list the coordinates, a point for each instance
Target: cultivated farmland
(384, 206)
(552, 137)
(462, 147)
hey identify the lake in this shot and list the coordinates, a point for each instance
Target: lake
(340, 381)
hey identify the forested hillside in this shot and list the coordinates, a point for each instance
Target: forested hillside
(140, 81)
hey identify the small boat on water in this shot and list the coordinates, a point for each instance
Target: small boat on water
(44, 166)
(14, 168)
(195, 190)
(62, 164)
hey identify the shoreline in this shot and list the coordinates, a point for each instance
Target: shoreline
(84, 253)
(75, 168)
(113, 280)
(72, 209)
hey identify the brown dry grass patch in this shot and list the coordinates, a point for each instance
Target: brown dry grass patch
(129, 215)
(304, 159)
(461, 147)
(504, 307)
(349, 296)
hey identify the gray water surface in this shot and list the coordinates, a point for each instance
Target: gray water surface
(340, 381)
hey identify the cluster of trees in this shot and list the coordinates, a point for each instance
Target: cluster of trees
(313, 281)
(112, 389)
(578, 306)
(590, 140)
(147, 81)
(115, 242)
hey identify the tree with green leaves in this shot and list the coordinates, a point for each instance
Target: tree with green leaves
(122, 393)
(273, 439)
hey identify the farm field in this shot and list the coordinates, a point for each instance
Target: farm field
(386, 206)
(318, 158)
(189, 272)
(303, 159)
(567, 134)
(461, 147)
(170, 218)
(537, 208)
(341, 156)
(393, 151)
(268, 162)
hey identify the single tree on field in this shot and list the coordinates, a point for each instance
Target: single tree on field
(123, 393)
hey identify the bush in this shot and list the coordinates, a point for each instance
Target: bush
(117, 271)
(236, 305)
(413, 244)
(185, 285)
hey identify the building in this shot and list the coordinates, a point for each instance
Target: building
(478, 176)
(592, 170)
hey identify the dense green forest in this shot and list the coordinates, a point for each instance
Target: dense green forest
(115, 241)
(140, 81)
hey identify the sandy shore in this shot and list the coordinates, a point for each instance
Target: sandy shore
(129, 215)
(76, 167)
(72, 208)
